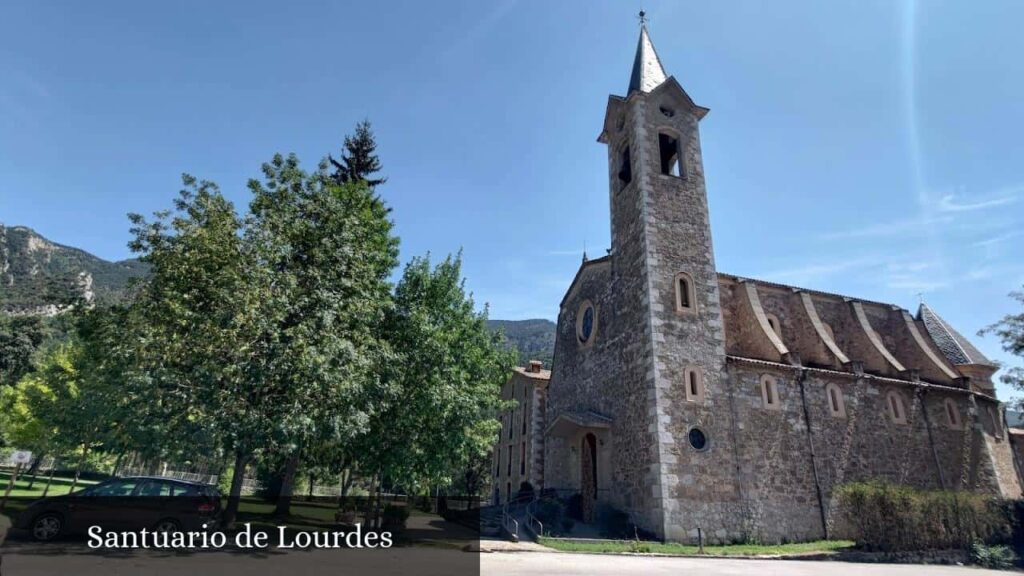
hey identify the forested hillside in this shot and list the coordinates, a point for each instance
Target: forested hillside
(533, 339)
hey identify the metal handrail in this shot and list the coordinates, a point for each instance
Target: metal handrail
(532, 519)
(508, 521)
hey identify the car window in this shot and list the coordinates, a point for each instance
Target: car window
(186, 490)
(155, 488)
(114, 488)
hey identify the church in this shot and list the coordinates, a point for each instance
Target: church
(702, 402)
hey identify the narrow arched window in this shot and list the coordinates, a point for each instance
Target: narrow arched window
(686, 300)
(625, 168)
(694, 381)
(773, 322)
(836, 402)
(897, 407)
(671, 155)
(952, 414)
(770, 392)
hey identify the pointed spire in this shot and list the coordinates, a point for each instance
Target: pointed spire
(647, 71)
(957, 349)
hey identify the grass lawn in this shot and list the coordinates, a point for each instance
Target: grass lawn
(59, 485)
(21, 496)
(621, 546)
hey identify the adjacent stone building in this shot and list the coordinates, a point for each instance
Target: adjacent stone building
(519, 452)
(692, 399)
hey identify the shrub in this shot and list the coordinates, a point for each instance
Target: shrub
(574, 507)
(394, 516)
(614, 523)
(994, 557)
(525, 491)
(892, 518)
(552, 513)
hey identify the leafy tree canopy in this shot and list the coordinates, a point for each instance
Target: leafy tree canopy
(1011, 332)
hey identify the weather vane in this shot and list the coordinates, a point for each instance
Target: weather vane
(643, 18)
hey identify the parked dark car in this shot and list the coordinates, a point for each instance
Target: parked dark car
(120, 504)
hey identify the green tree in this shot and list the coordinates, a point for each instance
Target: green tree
(1010, 331)
(198, 339)
(329, 251)
(359, 160)
(443, 392)
(20, 337)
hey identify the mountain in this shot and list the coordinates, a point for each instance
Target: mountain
(533, 339)
(37, 275)
(40, 276)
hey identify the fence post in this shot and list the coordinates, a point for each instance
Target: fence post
(10, 485)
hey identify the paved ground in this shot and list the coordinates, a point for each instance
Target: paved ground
(28, 559)
(599, 565)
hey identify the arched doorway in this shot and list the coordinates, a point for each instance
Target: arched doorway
(588, 477)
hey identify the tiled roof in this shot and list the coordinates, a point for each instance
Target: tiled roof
(542, 375)
(953, 345)
(801, 289)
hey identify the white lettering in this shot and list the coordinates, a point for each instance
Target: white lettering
(94, 532)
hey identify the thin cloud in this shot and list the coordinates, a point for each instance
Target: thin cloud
(916, 285)
(814, 272)
(905, 227)
(989, 242)
(948, 203)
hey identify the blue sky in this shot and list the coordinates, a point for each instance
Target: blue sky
(870, 148)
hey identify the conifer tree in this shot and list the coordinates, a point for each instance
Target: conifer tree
(359, 162)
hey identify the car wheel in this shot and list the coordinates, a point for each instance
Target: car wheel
(47, 527)
(167, 525)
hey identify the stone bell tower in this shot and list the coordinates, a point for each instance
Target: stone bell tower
(662, 252)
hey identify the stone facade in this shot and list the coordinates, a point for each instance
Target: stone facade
(699, 401)
(518, 455)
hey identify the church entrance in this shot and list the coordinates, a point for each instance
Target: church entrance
(588, 477)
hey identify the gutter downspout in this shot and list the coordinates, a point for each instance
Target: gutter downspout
(801, 376)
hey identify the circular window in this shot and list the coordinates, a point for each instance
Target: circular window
(586, 322)
(698, 439)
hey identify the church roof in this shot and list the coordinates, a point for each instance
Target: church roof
(648, 73)
(951, 343)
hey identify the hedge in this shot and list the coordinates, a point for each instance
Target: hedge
(893, 518)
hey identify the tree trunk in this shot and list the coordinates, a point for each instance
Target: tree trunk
(379, 504)
(117, 463)
(237, 476)
(347, 482)
(49, 479)
(284, 499)
(78, 470)
(368, 518)
(309, 497)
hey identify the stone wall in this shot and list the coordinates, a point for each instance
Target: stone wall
(777, 473)
(528, 395)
